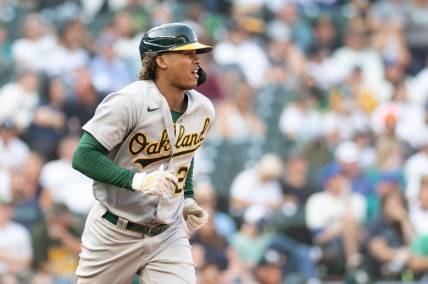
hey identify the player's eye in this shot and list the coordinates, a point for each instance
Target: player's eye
(189, 53)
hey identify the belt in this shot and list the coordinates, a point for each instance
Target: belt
(139, 228)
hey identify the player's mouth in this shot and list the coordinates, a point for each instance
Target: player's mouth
(195, 72)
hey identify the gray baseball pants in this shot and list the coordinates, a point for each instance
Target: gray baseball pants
(114, 255)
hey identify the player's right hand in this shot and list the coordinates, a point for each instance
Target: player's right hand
(162, 183)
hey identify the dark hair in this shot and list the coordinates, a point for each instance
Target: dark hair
(424, 180)
(385, 198)
(148, 70)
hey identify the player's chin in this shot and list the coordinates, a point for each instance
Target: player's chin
(190, 85)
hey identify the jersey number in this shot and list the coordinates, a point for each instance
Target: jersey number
(181, 175)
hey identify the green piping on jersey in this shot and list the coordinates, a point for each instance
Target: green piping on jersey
(188, 185)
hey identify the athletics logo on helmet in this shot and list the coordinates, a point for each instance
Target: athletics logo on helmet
(171, 37)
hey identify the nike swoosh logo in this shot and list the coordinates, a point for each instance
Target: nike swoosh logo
(151, 109)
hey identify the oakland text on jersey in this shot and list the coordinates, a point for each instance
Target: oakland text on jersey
(188, 143)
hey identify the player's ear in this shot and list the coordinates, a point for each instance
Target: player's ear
(161, 62)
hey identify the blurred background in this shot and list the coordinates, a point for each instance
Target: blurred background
(316, 170)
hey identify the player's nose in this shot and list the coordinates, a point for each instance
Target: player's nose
(196, 59)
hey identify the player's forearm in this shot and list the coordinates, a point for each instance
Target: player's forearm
(91, 160)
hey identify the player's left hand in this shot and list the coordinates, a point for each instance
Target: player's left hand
(194, 215)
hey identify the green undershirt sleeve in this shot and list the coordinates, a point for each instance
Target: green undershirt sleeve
(188, 185)
(90, 158)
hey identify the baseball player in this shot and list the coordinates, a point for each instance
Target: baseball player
(139, 149)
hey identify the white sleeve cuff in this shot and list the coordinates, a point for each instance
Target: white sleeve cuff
(137, 180)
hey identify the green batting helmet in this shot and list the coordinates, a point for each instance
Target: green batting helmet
(171, 37)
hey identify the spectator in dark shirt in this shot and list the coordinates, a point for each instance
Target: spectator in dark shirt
(389, 240)
(26, 192)
(84, 101)
(56, 244)
(295, 186)
(48, 124)
(290, 218)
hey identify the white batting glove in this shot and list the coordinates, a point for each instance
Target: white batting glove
(194, 215)
(162, 183)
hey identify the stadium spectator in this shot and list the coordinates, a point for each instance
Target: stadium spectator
(269, 268)
(416, 27)
(411, 124)
(390, 150)
(289, 218)
(57, 243)
(251, 242)
(127, 40)
(238, 49)
(386, 10)
(215, 259)
(303, 111)
(325, 35)
(348, 157)
(69, 54)
(83, 102)
(290, 16)
(345, 116)
(30, 51)
(390, 237)
(13, 150)
(387, 182)
(63, 184)
(418, 211)
(48, 125)
(26, 192)
(236, 119)
(335, 217)
(106, 65)
(15, 243)
(358, 53)
(414, 168)
(6, 65)
(19, 99)
(295, 186)
(257, 186)
(205, 194)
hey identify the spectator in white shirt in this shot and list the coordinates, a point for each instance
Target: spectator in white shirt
(303, 112)
(127, 42)
(240, 50)
(15, 243)
(258, 186)
(63, 184)
(30, 51)
(13, 151)
(335, 216)
(19, 99)
(356, 52)
(237, 119)
(106, 64)
(414, 168)
(69, 54)
(419, 211)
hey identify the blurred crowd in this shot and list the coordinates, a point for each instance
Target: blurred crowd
(317, 167)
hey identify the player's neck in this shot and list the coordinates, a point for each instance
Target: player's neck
(174, 96)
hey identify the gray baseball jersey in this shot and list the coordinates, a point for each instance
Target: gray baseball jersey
(135, 125)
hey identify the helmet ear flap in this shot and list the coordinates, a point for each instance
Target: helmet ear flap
(202, 76)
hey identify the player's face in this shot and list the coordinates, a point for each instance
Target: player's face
(182, 69)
